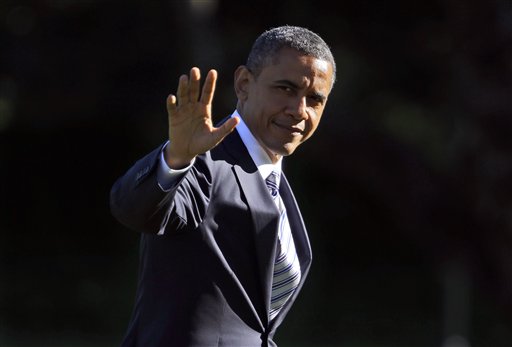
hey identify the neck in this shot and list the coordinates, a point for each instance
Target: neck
(274, 158)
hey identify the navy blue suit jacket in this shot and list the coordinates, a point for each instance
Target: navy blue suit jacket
(207, 280)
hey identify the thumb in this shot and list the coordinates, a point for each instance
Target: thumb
(225, 129)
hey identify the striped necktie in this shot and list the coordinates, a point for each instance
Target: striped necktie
(286, 276)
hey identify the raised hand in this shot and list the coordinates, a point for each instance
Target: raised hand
(191, 131)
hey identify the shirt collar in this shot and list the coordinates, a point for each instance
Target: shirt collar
(257, 153)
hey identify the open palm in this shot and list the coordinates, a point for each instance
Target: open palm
(191, 131)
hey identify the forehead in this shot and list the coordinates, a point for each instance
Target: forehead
(301, 69)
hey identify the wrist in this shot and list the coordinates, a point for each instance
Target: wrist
(176, 161)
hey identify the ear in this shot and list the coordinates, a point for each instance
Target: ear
(242, 78)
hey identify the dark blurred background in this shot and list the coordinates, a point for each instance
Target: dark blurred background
(411, 224)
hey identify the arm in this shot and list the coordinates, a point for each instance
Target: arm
(138, 199)
(166, 176)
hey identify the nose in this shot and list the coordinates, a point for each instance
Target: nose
(297, 108)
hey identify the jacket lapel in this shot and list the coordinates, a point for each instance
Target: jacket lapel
(300, 237)
(265, 216)
(266, 220)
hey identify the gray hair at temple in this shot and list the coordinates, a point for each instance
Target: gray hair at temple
(303, 40)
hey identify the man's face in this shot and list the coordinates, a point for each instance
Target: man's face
(283, 105)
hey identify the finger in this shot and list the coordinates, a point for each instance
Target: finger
(209, 87)
(195, 77)
(225, 129)
(182, 92)
(171, 104)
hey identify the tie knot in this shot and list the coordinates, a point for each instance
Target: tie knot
(272, 183)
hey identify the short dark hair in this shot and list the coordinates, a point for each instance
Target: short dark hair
(301, 39)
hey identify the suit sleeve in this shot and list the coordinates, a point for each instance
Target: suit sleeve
(138, 202)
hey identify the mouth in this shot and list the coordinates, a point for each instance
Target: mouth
(294, 130)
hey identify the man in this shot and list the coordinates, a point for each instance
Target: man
(224, 250)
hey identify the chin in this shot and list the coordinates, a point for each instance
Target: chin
(282, 150)
(287, 150)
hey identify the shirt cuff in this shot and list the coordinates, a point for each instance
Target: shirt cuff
(166, 176)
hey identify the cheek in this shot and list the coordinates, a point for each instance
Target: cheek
(312, 125)
(313, 120)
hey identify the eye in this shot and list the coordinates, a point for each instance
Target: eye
(315, 100)
(286, 89)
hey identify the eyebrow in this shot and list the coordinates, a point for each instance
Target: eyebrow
(319, 96)
(315, 95)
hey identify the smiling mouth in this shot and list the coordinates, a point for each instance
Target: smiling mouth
(291, 129)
